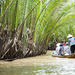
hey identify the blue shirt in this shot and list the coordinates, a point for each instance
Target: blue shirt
(71, 41)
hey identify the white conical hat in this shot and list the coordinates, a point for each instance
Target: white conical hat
(69, 36)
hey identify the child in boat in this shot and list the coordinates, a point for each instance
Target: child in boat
(71, 41)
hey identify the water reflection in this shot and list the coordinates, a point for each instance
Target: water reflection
(59, 66)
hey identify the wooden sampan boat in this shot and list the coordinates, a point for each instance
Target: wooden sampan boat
(65, 56)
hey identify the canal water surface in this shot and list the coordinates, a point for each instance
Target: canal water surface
(40, 65)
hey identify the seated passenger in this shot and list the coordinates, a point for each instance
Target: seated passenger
(67, 49)
(60, 49)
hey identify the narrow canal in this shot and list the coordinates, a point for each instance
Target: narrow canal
(39, 65)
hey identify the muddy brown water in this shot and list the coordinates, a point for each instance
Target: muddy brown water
(39, 65)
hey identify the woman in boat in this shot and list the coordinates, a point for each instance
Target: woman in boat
(60, 49)
(71, 41)
(67, 49)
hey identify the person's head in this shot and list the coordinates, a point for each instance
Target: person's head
(59, 44)
(69, 36)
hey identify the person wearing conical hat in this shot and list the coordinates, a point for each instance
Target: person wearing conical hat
(71, 41)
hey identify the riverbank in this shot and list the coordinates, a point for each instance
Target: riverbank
(39, 65)
(29, 61)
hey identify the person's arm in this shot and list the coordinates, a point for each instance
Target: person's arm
(69, 41)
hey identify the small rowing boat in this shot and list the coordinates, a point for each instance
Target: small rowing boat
(64, 56)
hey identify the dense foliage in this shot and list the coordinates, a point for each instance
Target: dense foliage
(38, 23)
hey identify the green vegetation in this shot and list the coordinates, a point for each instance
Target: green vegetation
(27, 27)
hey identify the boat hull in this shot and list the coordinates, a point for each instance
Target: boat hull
(65, 56)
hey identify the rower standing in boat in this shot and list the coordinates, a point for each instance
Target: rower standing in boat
(71, 41)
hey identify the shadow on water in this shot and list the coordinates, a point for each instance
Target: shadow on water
(58, 66)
